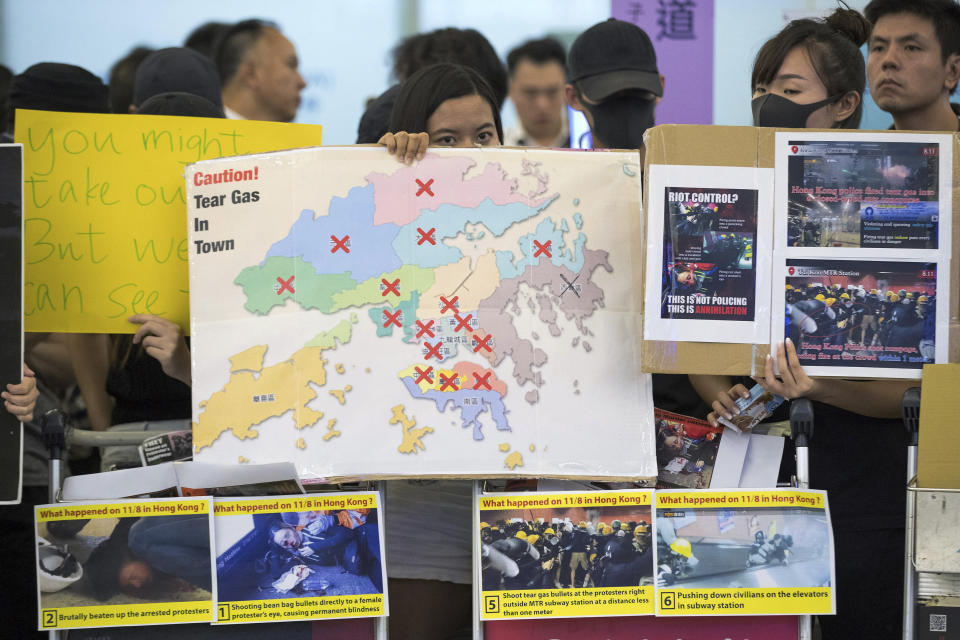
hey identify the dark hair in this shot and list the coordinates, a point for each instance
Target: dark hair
(430, 87)
(122, 74)
(234, 44)
(833, 45)
(537, 51)
(204, 38)
(944, 14)
(461, 46)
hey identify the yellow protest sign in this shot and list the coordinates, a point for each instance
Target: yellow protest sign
(105, 215)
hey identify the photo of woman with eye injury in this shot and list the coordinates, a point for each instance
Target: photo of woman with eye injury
(297, 554)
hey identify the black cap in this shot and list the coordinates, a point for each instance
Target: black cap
(613, 56)
(178, 103)
(177, 69)
(52, 86)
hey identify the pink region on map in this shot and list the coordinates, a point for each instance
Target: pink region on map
(396, 199)
(467, 371)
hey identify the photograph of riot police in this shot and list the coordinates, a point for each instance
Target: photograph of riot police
(863, 194)
(566, 548)
(743, 548)
(876, 314)
(298, 554)
(708, 249)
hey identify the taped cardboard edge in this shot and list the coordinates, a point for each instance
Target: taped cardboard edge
(685, 145)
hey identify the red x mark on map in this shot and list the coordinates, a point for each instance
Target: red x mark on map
(449, 304)
(285, 285)
(389, 287)
(484, 343)
(423, 376)
(340, 244)
(425, 329)
(433, 350)
(392, 318)
(542, 248)
(426, 236)
(449, 382)
(463, 322)
(424, 187)
(482, 381)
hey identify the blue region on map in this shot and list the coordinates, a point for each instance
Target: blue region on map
(448, 220)
(469, 413)
(578, 220)
(545, 232)
(352, 216)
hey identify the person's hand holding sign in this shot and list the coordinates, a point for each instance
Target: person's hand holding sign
(794, 381)
(163, 340)
(21, 399)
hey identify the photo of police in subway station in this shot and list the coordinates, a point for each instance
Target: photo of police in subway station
(298, 554)
(566, 548)
(743, 548)
(863, 194)
(865, 314)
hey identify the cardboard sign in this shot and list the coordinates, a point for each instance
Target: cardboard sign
(764, 552)
(300, 558)
(151, 563)
(105, 217)
(565, 555)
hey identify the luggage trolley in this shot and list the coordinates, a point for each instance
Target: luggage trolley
(56, 434)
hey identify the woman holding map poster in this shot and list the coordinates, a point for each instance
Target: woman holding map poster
(812, 75)
(452, 106)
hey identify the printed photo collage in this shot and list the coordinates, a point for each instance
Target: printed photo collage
(848, 255)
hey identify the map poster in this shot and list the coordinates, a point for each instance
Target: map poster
(565, 555)
(299, 558)
(763, 552)
(882, 191)
(11, 315)
(130, 563)
(708, 254)
(475, 314)
(864, 317)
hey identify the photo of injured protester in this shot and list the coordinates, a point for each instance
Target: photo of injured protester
(297, 554)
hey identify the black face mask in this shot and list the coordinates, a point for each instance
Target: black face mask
(771, 110)
(620, 121)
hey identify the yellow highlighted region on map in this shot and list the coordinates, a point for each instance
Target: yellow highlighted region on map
(249, 360)
(513, 460)
(331, 432)
(477, 284)
(412, 436)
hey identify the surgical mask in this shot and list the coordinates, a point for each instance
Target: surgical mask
(771, 110)
(620, 121)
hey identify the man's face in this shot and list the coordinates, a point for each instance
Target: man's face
(276, 80)
(905, 69)
(686, 278)
(537, 92)
(135, 576)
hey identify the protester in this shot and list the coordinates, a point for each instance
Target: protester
(913, 62)
(812, 72)
(176, 69)
(259, 72)
(614, 81)
(459, 46)
(537, 79)
(454, 106)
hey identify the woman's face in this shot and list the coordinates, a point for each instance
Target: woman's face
(466, 121)
(796, 80)
(287, 538)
